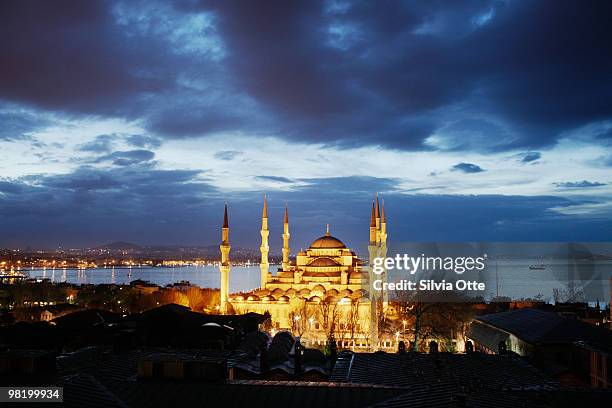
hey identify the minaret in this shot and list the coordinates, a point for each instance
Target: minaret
(383, 249)
(377, 220)
(383, 225)
(224, 266)
(373, 250)
(373, 226)
(286, 236)
(264, 248)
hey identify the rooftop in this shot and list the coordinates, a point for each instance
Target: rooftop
(538, 327)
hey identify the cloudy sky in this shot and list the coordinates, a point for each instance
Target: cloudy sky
(135, 121)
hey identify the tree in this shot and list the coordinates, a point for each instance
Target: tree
(353, 320)
(328, 312)
(299, 319)
(172, 295)
(195, 298)
(267, 323)
(432, 320)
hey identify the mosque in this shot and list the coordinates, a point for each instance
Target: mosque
(323, 292)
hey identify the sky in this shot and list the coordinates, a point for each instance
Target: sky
(137, 120)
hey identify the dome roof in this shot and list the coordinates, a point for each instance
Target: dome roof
(319, 288)
(327, 242)
(323, 261)
(346, 292)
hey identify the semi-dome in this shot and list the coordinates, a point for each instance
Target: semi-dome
(346, 292)
(332, 292)
(323, 262)
(318, 289)
(327, 242)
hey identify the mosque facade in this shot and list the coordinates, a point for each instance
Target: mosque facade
(322, 292)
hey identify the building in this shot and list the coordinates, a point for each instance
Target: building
(322, 293)
(54, 311)
(571, 350)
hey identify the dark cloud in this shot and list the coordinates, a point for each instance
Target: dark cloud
(127, 158)
(467, 168)
(144, 141)
(411, 217)
(106, 143)
(350, 185)
(274, 178)
(479, 76)
(529, 157)
(18, 125)
(580, 184)
(500, 75)
(91, 206)
(384, 73)
(228, 154)
(74, 56)
(10, 188)
(194, 121)
(430, 218)
(100, 144)
(82, 180)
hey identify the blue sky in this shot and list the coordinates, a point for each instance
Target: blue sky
(135, 121)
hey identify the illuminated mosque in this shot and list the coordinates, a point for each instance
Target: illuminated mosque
(322, 293)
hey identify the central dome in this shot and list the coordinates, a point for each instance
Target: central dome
(327, 242)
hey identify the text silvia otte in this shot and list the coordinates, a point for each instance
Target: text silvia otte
(428, 285)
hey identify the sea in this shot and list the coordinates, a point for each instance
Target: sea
(514, 278)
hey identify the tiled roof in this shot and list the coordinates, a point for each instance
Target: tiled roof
(252, 394)
(445, 380)
(84, 390)
(108, 379)
(440, 371)
(481, 399)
